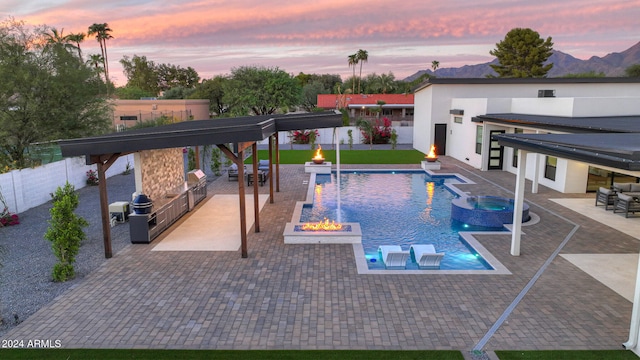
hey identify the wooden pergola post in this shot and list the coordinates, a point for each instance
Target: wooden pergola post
(103, 164)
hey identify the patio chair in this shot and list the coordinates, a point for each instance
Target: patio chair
(232, 172)
(605, 197)
(627, 204)
(263, 165)
(393, 256)
(426, 256)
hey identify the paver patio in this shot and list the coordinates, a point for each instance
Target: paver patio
(311, 296)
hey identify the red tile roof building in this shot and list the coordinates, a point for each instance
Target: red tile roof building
(396, 106)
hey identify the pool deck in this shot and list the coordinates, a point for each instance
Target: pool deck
(312, 297)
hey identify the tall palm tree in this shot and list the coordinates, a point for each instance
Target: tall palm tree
(353, 61)
(77, 39)
(362, 56)
(102, 33)
(435, 64)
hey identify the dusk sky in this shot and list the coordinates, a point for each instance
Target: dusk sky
(403, 37)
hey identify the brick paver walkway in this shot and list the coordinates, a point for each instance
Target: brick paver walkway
(311, 297)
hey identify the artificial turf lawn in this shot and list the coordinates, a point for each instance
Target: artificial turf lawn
(347, 156)
(88, 354)
(567, 355)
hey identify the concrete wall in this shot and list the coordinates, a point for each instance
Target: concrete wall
(28, 188)
(405, 136)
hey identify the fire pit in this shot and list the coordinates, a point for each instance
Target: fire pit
(322, 226)
(431, 156)
(318, 158)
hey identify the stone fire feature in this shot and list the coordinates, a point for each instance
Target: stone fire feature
(351, 234)
(311, 167)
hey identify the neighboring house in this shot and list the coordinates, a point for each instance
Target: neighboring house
(127, 113)
(460, 116)
(397, 107)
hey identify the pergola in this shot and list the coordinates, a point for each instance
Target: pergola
(242, 132)
(612, 142)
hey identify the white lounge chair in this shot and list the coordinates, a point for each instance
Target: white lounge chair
(393, 256)
(426, 256)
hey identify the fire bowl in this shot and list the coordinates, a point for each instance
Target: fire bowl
(318, 160)
(431, 159)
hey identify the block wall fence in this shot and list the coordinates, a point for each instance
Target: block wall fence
(27, 188)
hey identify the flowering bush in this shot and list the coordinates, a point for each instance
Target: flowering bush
(92, 178)
(7, 218)
(380, 132)
(303, 137)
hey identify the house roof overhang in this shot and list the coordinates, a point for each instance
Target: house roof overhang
(621, 151)
(196, 132)
(605, 124)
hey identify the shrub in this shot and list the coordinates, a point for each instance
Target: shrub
(65, 231)
(303, 137)
(376, 133)
(92, 177)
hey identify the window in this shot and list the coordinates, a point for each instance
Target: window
(457, 119)
(551, 163)
(514, 161)
(479, 139)
(387, 112)
(129, 117)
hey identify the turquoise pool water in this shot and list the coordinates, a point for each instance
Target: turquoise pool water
(396, 208)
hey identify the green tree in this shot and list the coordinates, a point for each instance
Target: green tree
(522, 54)
(132, 93)
(55, 38)
(260, 90)
(309, 99)
(589, 74)
(633, 70)
(212, 89)
(141, 73)
(102, 33)
(65, 231)
(363, 57)
(170, 76)
(77, 38)
(45, 94)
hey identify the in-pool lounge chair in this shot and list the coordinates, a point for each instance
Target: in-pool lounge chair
(426, 256)
(627, 204)
(393, 256)
(605, 197)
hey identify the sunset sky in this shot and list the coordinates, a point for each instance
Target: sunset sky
(213, 36)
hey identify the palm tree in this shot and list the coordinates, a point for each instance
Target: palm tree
(102, 33)
(77, 39)
(435, 64)
(94, 61)
(58, 38)
(353, 60)
(362, 56)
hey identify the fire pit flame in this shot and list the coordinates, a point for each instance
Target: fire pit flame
(431, 156)
(324, 225)
(318, 158)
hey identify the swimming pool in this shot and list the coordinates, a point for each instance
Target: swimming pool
(396, 208)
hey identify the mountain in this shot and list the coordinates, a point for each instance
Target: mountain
(612, 64)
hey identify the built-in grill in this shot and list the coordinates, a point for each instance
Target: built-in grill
(197, 183)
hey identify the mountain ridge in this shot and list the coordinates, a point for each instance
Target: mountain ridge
(613, 64)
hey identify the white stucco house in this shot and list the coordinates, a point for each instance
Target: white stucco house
(460, 116)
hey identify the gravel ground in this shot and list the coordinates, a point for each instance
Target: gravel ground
(27, 259)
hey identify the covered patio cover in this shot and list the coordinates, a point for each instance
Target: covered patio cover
(606, 141)
(242, 132)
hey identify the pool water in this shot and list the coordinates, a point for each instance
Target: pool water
(396, 208)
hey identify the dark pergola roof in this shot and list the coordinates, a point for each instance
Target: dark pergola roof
(606, 124)
(197, 132)
(621, 151)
